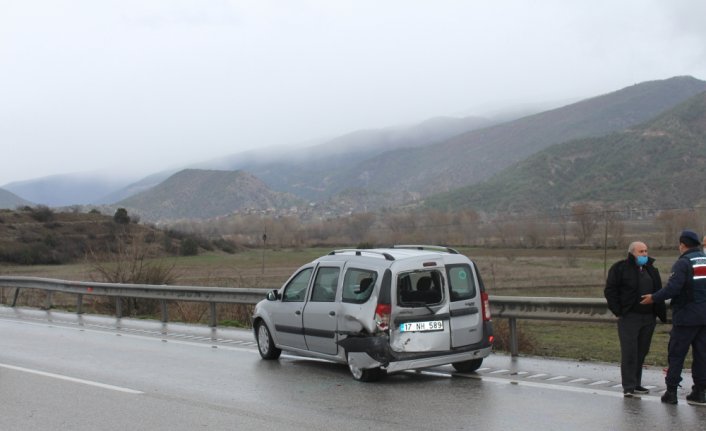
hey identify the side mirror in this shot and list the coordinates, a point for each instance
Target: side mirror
(273, 295)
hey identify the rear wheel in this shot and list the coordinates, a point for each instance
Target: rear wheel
(265, 343)
(468, 366)
(366, 374)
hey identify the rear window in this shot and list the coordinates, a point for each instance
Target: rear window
(358, 285)
(461, 282)
(419, 288)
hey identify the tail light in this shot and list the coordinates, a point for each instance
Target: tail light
(382, 316)
(486, 306)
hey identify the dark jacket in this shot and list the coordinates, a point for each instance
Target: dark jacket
(621, 288)
(685, 311)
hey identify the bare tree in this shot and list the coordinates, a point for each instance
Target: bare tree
(403, 226)
(466, 223)
(586, 217)
(563, 221)
(616, 228)
(533, 233)
(506, 229)
(673, 221)
(435, 227)
(133, 262)
(357, 226)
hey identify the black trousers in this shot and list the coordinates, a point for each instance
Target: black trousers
(680, 339)
(635, 332)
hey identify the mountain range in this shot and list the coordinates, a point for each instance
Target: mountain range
(658, 164)
(279, 165)
(198, 193)
(11, 200)
(466, 162)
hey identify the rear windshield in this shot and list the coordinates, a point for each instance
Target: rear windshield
(419, 288)
(461, 282)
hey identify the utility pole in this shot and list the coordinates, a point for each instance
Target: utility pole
(264, 241)
(605, 244)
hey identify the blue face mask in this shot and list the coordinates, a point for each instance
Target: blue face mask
(641, 260)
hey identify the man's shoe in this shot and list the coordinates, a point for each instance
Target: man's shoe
(697, 397)
(629, 393)
(669, 397)
(641, 390)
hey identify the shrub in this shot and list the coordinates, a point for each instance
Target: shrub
(189, 247)
(121, 217)
(225, 245)
(42, 213)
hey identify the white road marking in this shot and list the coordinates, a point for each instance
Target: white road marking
(537, 376)
(557, 378)
(582, 390)
(71, 379)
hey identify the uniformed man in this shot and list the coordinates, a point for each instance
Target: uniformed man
(687, 290)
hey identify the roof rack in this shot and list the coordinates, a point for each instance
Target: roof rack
(427, 247)
(360, 251)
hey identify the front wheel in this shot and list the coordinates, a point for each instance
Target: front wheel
(468, 366)
(265, 343)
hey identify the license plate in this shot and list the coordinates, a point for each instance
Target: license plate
(432, 325)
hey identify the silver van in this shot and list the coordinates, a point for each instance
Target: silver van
(380, 310)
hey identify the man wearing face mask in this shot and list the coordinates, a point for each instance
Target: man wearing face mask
(628, 280)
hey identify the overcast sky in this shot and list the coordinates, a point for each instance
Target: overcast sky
(144, 85)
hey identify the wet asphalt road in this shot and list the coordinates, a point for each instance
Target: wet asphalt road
(59, 371)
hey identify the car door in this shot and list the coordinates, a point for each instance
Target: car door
(288, 313)
(420, 318)
(465, 307)
(321, 311)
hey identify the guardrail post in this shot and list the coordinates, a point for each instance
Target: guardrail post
(165, 311)
(47, 300)
(514, 348)
(79, 303)
(212, 318)
(118, 307)
(14, 300)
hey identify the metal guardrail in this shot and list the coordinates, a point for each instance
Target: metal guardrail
(547, 308)
(164, 293)
(501, 307)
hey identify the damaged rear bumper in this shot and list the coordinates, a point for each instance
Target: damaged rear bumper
(374, 351)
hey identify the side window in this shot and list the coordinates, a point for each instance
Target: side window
(325, 285)
(295, 291)
(358, 285)
(461, 282)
